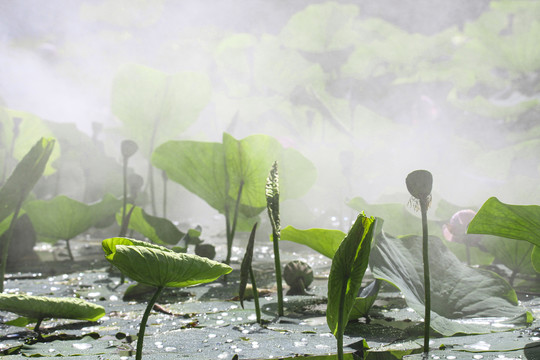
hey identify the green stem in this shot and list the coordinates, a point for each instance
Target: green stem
(142, 327)
(69, 251)
(255, 295)
(231, 229)
(277, 263)
(124, 172)
(341, 321)
(164, 194)
(427, 285)
(38, 324)
(5, 245)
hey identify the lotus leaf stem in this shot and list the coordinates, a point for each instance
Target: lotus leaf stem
(69, 251)
(341, 321)
(7, 241)
(255, 295)
(142, 327)
(231, 229)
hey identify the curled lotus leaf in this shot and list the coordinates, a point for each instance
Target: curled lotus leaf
(161, 267)
(43, 307)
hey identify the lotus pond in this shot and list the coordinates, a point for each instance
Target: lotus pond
(207, 321)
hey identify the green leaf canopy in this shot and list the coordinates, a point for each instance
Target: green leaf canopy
(324, 241)
(43, 307)
(520, 222)
(158, 266)
(348, 267)
(64, 218)
(204, 168)
(463, 299)
(158, 230)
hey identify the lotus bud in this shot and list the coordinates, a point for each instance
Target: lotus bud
(129, 147)
(298, 275)
(456, 229)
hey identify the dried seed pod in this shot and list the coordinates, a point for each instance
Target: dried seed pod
(298, 275)
(128, 147)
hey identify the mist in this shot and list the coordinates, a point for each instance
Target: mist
(379, 90)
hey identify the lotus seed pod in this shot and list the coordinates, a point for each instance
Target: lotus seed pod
(298, 275)
(129, 147)
(419, 184)
(205, 250)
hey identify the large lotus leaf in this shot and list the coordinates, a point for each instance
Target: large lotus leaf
(25, 176)
(158, 230)
(149, 101)
(535, 258)
(159, 266)
(64, 218)
(348, 267)
(42, 307)
(321, 27)
(520, 222)
(397, 219)
(31, 130)
(463, 299)
(204, 169)
(324, 241)
(515, 255)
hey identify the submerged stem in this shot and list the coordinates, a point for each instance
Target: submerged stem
(142, 327)
(38, 324)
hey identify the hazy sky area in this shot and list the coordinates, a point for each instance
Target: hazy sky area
(368, 90)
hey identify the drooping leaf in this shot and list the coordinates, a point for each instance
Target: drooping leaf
(64, 218)
(246, 265)
(348, 267)
(365, 299)
(324, 241)
(25, 176)
(21, 321)
(158, 230)
(148, 100)
(520, 222)
(43, 307)
(463, 299)
(158, 266)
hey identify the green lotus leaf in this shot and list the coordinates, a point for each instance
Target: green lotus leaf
(43, 307)
(365, 300)
(520, 222)
(515, 255)
(64, 218)
(158, 230)
(535, 258)
(31, 130)
(158, 266)
(204, 168)
(463, 299)
(324, 241)
(348, 267)
(149, 101)
(25, 176)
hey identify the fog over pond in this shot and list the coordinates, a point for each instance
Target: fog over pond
(367, 90)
